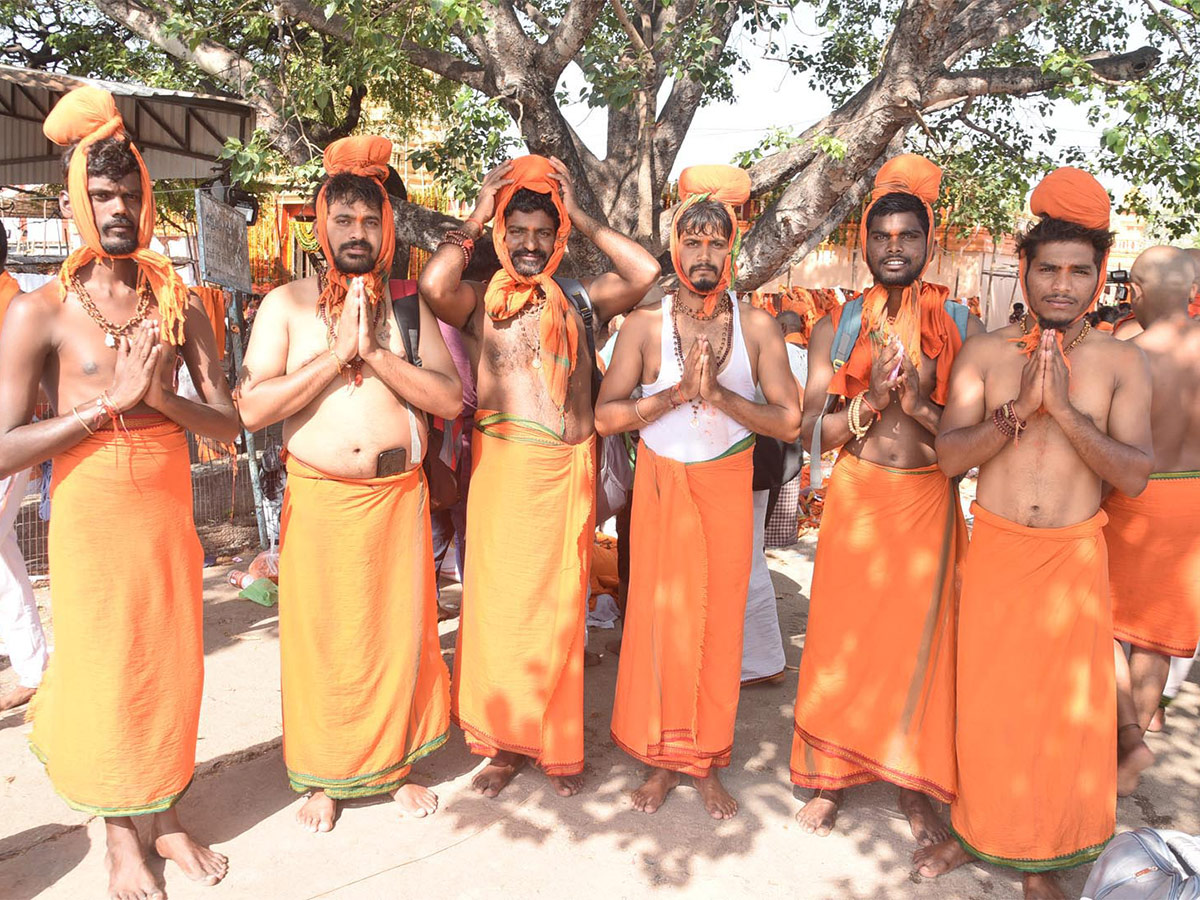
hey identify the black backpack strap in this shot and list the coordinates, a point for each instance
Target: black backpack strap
(407, 308)
(579, 298)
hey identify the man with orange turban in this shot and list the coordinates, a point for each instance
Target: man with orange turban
(892, 530)
(518, 685)
(1154, 539)
(701, 359)
(365, 690)
(116, 718)
(1049, 410)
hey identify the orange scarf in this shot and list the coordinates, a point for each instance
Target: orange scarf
(921, 322)
(1075, 196)
(509, 291)
(367, 156)
(83, 117)
(728, 186)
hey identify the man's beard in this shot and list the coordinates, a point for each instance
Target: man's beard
(897, 277)
(350, 266)
(529, 263)
(705, 282)
(115, 245)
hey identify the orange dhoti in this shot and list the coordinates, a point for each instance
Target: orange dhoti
(876, 692)
(1154, 564)
(1037, 708)
(518, 682)
(681, 653)
(365, 690)
(115, 720)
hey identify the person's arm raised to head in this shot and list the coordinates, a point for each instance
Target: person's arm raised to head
(634, 269)
(441, 286)
(25, 345)
(434, 386)
(214, 417)
(267, 393)
(967, 437)
(616, 412)
(779, 416)
(1123, 457)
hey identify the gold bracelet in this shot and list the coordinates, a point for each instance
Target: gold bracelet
(82, 421)
(639, 412)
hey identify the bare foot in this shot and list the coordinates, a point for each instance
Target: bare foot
(445, 613)
(926, 826)
(650, 796)
(718, 801)
(590, 659)
(566, 785)
(1132, 757)
(820, 813)
(498, 773)
(198, 862)
(318, 812)
(613, 646)
(1156, 721)
(940, 858)
(128, 877)
(1042, 886)
(416, 801)
(770, 679)
(18, 696)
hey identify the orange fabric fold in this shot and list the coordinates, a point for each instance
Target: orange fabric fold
(729, 186)
(365, 691)
(367, 156)
(681, 652)
(509, 291)
(82, 117)
(518, 678)
(116, 718)
(1154, 564)
(876, 691)
(213, 300)
(1037, 709)
(921, 323)
(1071, 195)
(9, 288)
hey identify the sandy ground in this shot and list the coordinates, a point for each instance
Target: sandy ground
(529, 842)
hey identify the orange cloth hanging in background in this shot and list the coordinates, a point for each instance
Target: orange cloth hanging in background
(8, 289)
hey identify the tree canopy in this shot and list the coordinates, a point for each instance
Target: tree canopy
(975, 84)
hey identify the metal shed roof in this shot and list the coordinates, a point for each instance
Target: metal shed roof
(180, 134)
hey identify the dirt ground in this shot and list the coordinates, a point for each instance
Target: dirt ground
(529, 842)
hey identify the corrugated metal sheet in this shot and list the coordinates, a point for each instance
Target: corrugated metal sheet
(180, 134)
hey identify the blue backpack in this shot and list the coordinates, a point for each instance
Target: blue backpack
(844, 338)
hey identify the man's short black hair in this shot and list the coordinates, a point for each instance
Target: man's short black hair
(524, 200)
(899, 202)
(350, 189)
(108, 158)
(790, 322)
(1050, 230)
(705, 217)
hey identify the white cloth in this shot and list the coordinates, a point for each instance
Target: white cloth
(798, 361)
(762, 642)
(20, 627)
(1181, 667)
(672, 435)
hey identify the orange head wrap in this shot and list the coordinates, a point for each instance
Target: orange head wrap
(83, 117)
(1071, 195)
(368, 157)
(509, 291)
(728, 186)
(921, 322)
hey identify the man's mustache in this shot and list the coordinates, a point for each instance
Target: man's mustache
(118, 222)
(354, 245)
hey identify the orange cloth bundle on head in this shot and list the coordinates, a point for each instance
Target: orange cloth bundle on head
(518, 669)
(1154, 563)
(116, 718)
(82, 117)
(921, 323)
(366, 156)
(1071, 195)
(365, 691)
(728, 186)
(509, 291)
(681, 653)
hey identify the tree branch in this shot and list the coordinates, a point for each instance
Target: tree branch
(535, 15)
(568, 38)
(985, 27)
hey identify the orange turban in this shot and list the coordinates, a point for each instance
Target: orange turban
(367, 156)
(509, 291)
(729, 186)
(1071, 195)
(82, 117)
(921, 322)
